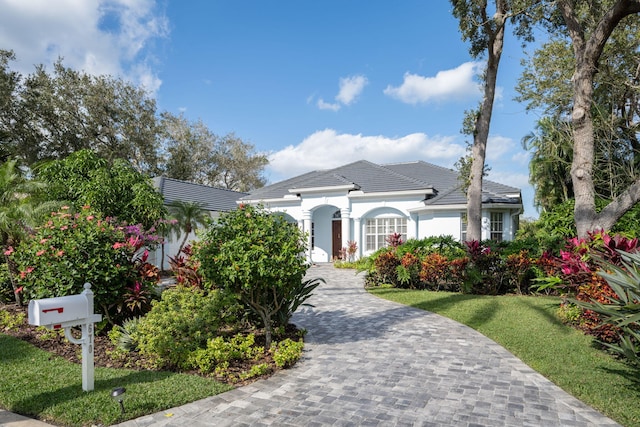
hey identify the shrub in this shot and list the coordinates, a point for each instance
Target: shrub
(72, 249)
(217, 354)
(621, 311)
(386, 264)
(287, 352)
(181, 322)
(258, 257)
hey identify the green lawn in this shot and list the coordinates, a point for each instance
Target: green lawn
(37, 384)
(529, 328)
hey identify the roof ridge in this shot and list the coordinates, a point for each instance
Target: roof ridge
(201, 185)
(409, 178)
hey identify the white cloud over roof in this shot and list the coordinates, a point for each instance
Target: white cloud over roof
(328, 149)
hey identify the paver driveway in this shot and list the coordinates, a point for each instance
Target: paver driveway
(371, 362)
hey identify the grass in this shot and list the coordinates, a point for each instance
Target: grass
(37, 384)
(529, 328)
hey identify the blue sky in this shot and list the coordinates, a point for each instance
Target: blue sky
(314, 84)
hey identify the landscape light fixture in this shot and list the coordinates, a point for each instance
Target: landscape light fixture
(117, 394)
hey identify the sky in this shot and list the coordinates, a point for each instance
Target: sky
(312, 84)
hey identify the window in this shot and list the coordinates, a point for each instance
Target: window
(496, 226)
(313, 235)
(378, 229)
(463, 227)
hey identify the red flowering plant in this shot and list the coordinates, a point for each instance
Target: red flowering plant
(575, 273)
(185, 268)
(71, 249)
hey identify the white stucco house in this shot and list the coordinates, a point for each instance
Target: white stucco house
(215, 200)
(364, 202)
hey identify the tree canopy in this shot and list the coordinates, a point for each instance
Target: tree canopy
(50, 115)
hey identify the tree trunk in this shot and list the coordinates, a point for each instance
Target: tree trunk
(13, 272)
(587, 54)
(481, 135)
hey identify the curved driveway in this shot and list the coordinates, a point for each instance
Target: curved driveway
(372, 362)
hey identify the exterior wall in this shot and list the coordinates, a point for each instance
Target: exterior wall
(439, 223)
(319, 210)
(171, 246)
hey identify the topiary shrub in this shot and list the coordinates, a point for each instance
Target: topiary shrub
(259, 258)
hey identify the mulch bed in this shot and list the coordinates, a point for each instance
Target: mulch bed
(57, 344)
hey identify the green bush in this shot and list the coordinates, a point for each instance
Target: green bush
(220, 351)
(181, 322)
(259, 258)
(287, 352)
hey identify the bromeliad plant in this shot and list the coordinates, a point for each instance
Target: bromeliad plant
(73, 248)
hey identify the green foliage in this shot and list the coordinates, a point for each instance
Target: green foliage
(220, 351)
(180, 323)
(115, 189)
(287, 352)
(121, 336)
(569, 313)
(622, 310)
(72, 249)
(10, 322)
(257, 257)
(256, 371)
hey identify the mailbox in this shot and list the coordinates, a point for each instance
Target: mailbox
(59, 312)
(66, 312)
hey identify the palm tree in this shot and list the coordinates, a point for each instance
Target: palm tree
(19, 210)
(551, 149)
(189, 216)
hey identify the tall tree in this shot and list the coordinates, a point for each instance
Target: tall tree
(589, 28)
(546, 85)
(485, 31)
(194, 153)
(238, 167)
(66, 111)
(9, 82)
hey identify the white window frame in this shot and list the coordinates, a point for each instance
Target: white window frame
(378, 229)
(496, 232)
(463, 226)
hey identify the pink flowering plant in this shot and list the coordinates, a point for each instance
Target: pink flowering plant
(73, 248)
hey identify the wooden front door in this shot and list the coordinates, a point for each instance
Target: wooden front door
(336, 233)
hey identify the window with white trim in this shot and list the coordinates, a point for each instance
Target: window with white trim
(463, 227)
(378, 229)
(497, 226)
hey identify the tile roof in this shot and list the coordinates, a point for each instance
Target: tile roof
(214, 199)
(373, 178)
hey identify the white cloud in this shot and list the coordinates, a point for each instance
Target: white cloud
(457, 83)
(498, 146)
(97, 36)
(350, 88)
(327, 106)
(327, 149)
(514, 179)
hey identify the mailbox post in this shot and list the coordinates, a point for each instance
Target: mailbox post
(66, 312)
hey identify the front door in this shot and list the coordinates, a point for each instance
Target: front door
(336, 233)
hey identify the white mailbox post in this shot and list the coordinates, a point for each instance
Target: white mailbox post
(66, 312)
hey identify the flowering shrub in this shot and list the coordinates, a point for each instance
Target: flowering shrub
(71, 249)
(576, 272)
